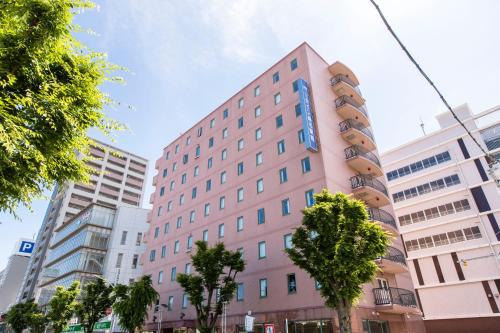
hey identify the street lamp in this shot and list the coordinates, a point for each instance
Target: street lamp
(157, 309)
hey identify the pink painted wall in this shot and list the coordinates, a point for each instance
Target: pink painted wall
(328, 169)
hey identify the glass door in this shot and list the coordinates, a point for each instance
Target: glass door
(385, 293)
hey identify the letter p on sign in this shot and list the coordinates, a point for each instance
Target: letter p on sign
(26, 247)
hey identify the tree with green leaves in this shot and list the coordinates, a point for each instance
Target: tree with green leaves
(62, 306)
(38, 321)
(22, 315)
(95, 298)
(49, 98)
(132, 303)
(215, 278)
(337, 245)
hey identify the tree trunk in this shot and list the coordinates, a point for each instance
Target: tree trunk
(205, 329)
(344, 314)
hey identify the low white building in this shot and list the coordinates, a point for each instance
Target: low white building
(448, 208)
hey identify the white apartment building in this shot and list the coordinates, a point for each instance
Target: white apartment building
(126, 245)
(448, 209)
(119, 181)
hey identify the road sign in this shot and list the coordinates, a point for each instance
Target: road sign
(74, 328)
(102, 326)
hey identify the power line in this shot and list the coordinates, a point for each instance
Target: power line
(490, 159)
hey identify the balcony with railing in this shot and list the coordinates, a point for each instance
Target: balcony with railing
(363, 161)
(395, 300)
(380, 215)
(370, 190)
(356, 133)
(343, 85)
(348, 108)
(393, 261)
(339, 68)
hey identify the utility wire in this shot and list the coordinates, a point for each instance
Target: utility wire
(490, 159)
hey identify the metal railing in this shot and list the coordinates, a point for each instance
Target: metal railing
(356, 150)
(375, 214)
(350, 123)
(341, 78)
(342, 100)
(399, 296)
(395, 255)
(367, 180)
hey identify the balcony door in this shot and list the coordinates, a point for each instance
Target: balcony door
(385, 293)
(382, 283)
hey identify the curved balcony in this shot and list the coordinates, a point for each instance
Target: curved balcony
(339, 68)
(395, 300)
(343, 85)
(393, 262)
(363, 161)
(355, 133)
(380, 215)
(370, 190)
(347, 108)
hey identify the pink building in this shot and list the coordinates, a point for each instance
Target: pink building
(243, 174)
(448, 210)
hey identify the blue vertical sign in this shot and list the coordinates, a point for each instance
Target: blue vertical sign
(307, 117)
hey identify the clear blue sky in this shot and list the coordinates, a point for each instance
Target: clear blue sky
(187, 57)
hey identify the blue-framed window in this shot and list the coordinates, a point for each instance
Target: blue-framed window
(285, 207)
(281, 147)
(283, 175)
(419, 165)
(240, 168)
(306, 165)
(309, 198)
(261, 216)
(276, 77)
(279, 121)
